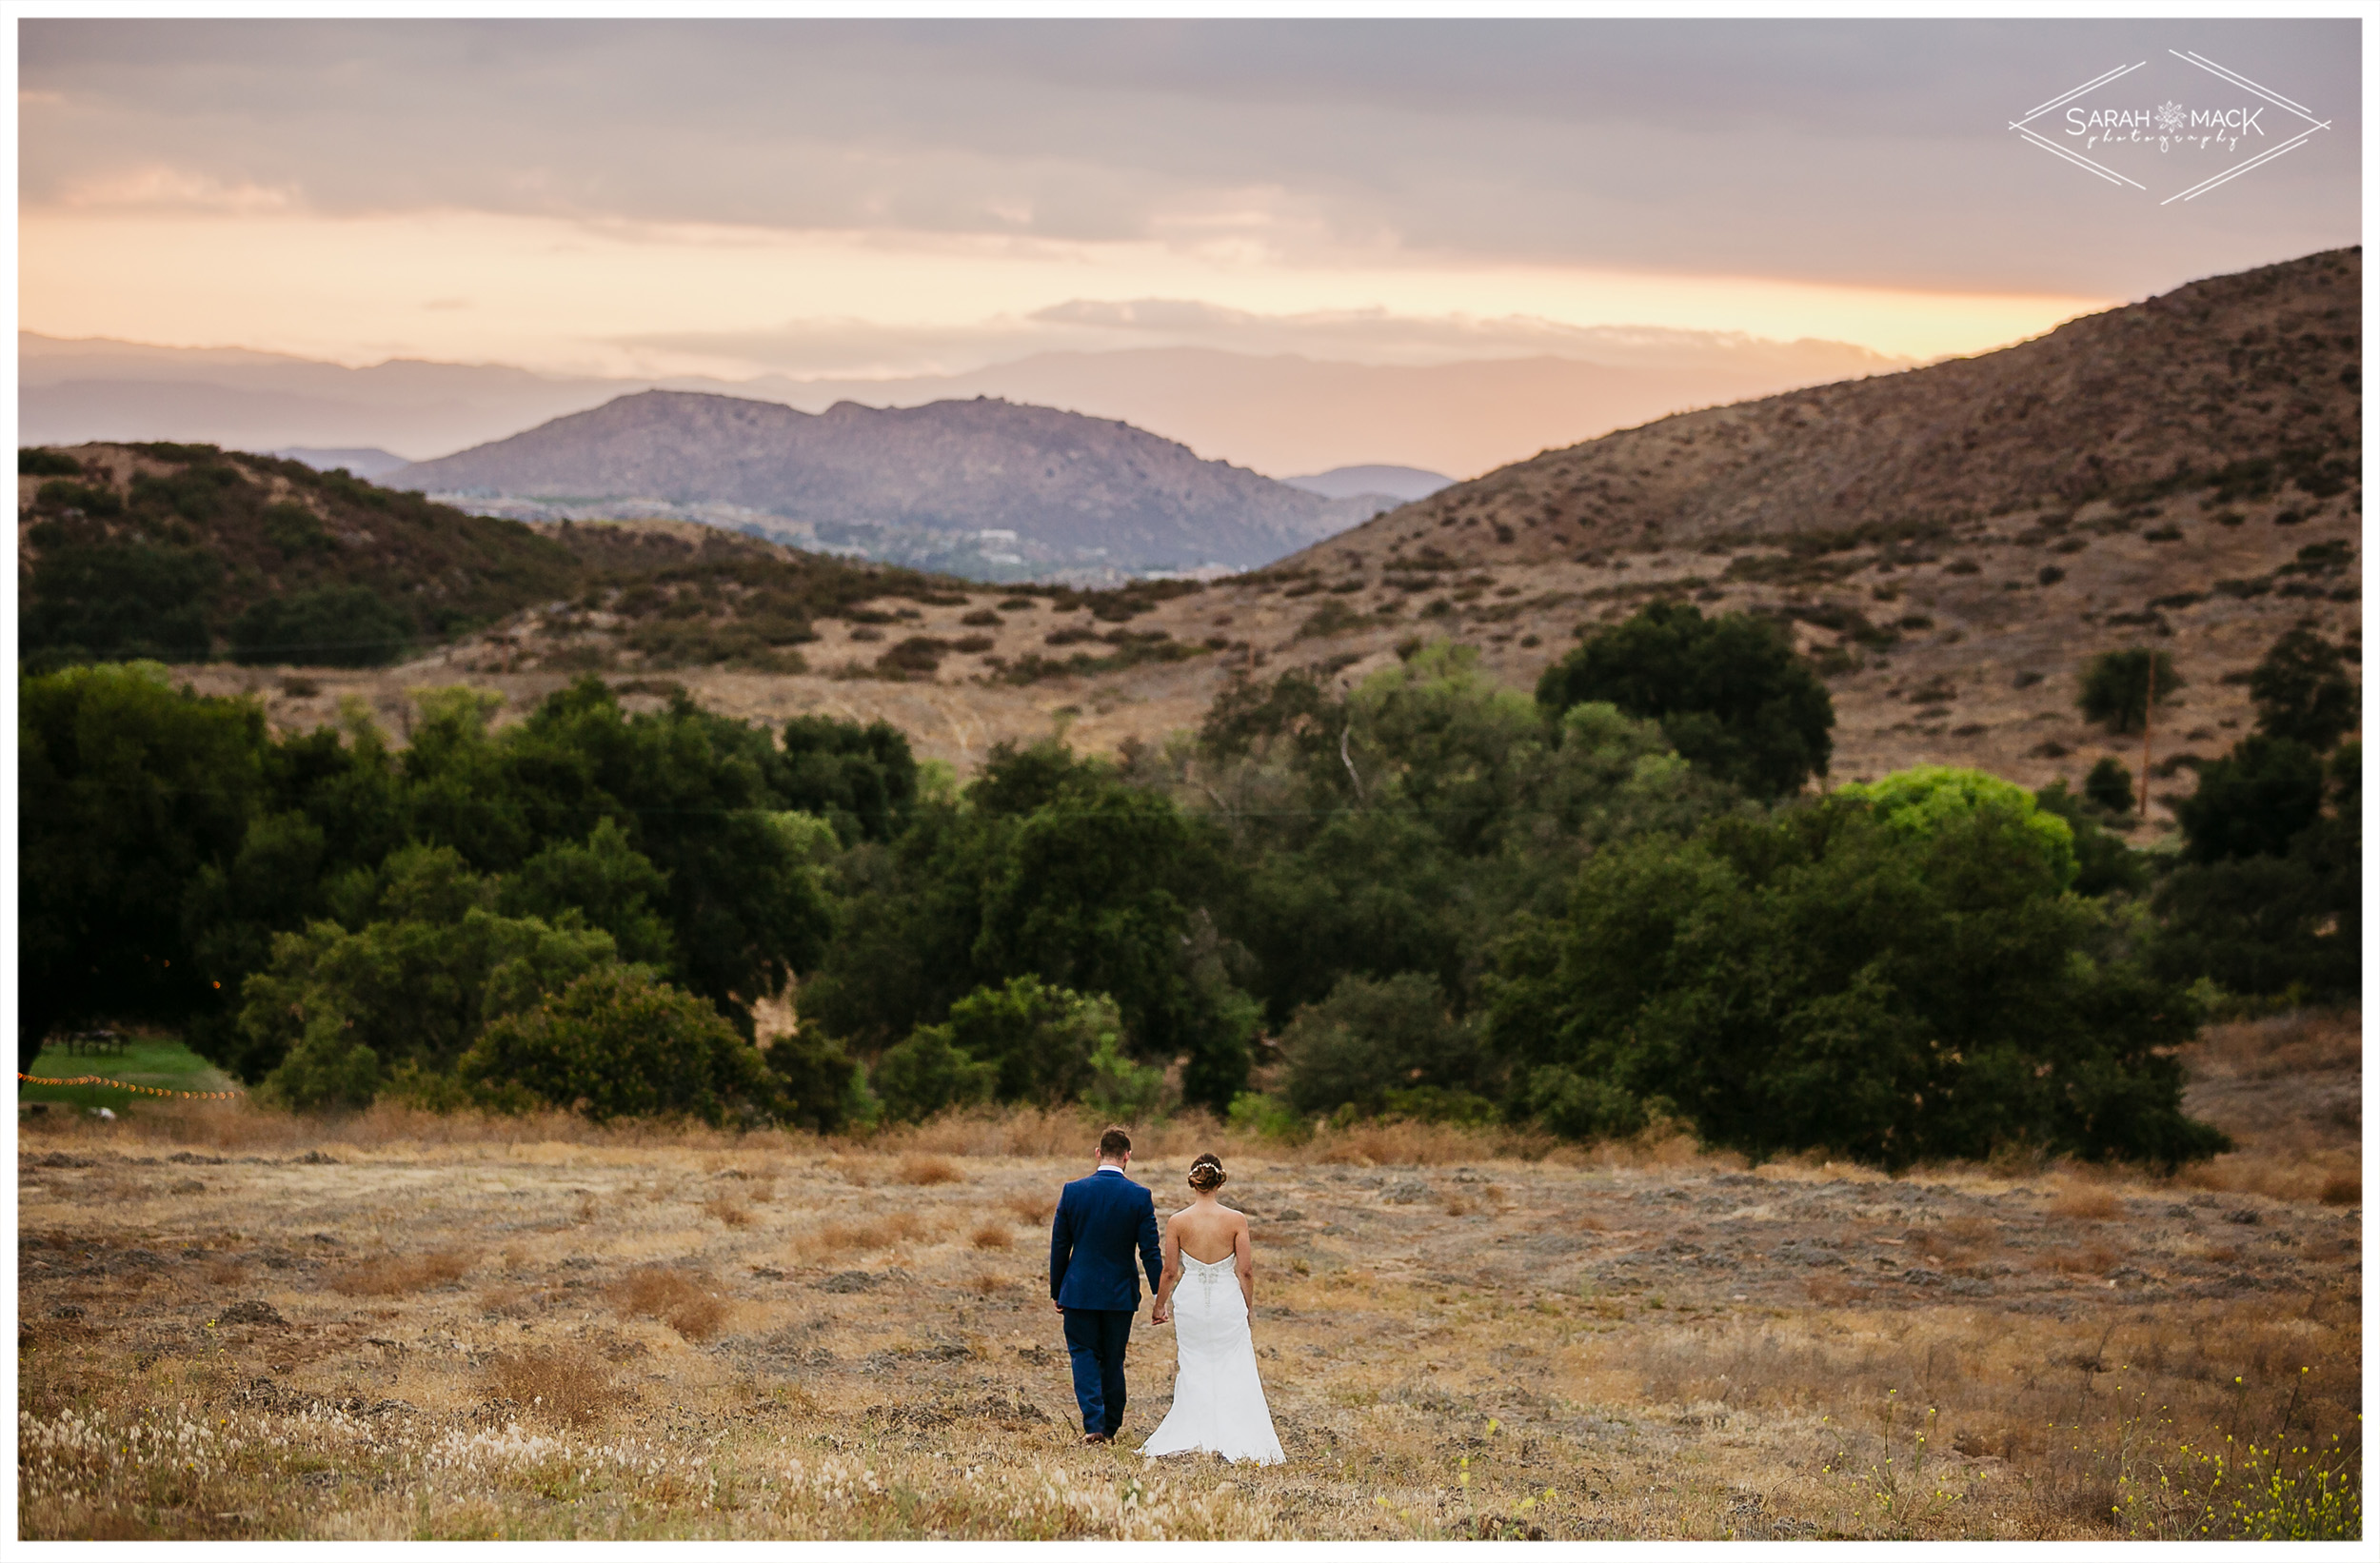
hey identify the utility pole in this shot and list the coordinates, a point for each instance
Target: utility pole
(2148, 725)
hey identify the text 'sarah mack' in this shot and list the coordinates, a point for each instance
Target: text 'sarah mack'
(2171, 121)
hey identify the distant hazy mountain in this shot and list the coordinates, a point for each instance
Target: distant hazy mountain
(69, 391)
(1399, 482)
(1275, 414)
(1047, 487)
(368, 462)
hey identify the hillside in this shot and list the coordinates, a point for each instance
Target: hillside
(2250, 380)
(1073, 491)
(188, 552)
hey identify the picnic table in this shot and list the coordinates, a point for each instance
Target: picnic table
(102, 1040)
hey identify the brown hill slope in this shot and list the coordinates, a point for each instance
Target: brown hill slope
(2249, 375)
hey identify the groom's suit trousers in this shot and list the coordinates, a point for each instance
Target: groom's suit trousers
(1096, 1338)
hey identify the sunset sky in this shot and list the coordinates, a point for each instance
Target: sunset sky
(833, 198)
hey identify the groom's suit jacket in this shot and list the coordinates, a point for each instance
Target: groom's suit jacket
(1100, 1220)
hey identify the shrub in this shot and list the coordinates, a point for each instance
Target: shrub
(816, 1084)
(569, 1386)
(925, 1073)
(332, 627)
(619, 1042)
(117, 604)
(689, 1304)
(1041, 1037)
(1370, 1039)
(1120, 1090)
(35, 462)
(2277, 925)
(1259, 1113)
(2302, 691)
(2110, 785)
(926, 1171)
(1729, 692)
(2252, 803)
(2115, 687)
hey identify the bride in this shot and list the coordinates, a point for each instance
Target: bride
(1218, 1404)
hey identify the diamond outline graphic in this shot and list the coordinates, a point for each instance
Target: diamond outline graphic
(2023, 126)
(2270, 96)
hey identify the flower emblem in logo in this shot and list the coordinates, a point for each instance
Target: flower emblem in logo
(2171, 117)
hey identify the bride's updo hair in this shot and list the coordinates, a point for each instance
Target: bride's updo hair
(1206, 1172)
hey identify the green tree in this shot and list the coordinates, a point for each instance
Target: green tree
(619, 1042)
(1371, 1041)
(2302, 690)
(1729, 692)
(606, 881)
(426, 965)
(1120, 1090)
(1887, 982)
(743, 896)
(927, 1073)
(1039, 1039)
(127, 789)
(2110, 785)
(2265, 923)
(2115, 687)
(862, 779)
(2253, 801)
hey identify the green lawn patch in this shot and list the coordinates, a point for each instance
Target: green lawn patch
(146, 1066)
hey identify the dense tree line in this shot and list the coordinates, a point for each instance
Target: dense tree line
(1419, 893)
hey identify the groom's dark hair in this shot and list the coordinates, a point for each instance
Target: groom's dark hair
(1114, 1145)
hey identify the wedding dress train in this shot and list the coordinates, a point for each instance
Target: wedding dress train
(1219, 1401)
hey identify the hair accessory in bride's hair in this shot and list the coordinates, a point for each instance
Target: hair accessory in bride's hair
(1206, 1172)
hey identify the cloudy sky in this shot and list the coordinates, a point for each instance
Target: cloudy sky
(880, 198)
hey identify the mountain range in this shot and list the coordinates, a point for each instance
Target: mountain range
(987, 487)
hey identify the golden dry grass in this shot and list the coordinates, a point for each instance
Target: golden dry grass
(926, 1171)
(689, 1304)
(2086, 1202)
(1674, 1344)
(557, 1384)
(991, 1235)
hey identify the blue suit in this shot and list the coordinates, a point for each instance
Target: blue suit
(1100, 1220)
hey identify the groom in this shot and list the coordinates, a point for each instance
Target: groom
(1100, 1220)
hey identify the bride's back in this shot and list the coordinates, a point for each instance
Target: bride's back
(1208, 1231)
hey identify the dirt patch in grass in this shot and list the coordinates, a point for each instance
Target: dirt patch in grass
(395, 1275)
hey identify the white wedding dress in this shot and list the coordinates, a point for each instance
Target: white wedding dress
(1219, 1401)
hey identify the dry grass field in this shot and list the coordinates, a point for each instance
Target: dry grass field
(241, 1325)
